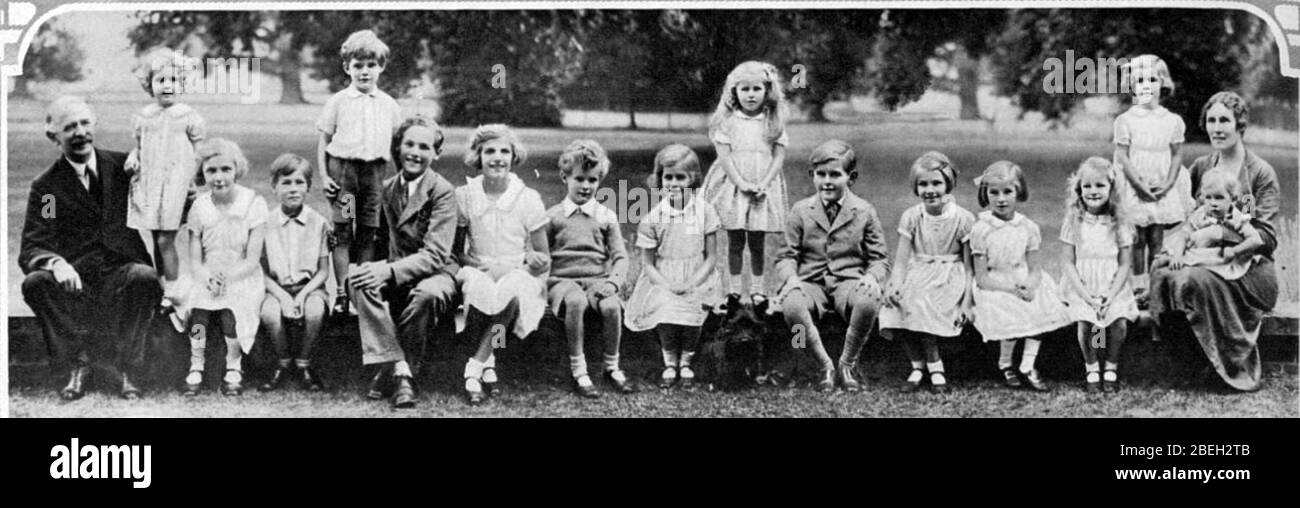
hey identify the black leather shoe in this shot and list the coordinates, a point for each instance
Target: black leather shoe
(129, 390)
(309, 380)
(1035, 382)
(685, 378)
(623, 386)
(277, 379)
(379, 383)
(587, 391)
(848, 379)
(404, 393)
(941, 387)
(78, 380)
(1109, 386)
(1010, 378)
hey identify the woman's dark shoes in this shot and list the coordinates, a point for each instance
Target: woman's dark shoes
(586, 389)
(404, 393)
(129, 390)
(1035, 381)
(78, 381)
(848, 379)
(277, 379)
(618, 380)
(309, 380)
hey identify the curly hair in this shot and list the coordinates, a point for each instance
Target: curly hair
(1002, 171)
(585, 154)
(1115, 205)
(220, 146)
(1238, 105)
(489, 132)
(774, 104)
(934, 161)
(165, 59)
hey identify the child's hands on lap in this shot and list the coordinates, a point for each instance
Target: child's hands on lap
(1022, 290)
(894, 293)
(289, 306)
(217, 284)
(606, 290)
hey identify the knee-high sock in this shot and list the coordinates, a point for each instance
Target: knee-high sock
(234, 355)
(1008, 348)
(1029, 354)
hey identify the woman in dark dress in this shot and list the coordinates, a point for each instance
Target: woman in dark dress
(1225, 315)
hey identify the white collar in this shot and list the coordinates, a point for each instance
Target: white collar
(282, 218)
(839, 202)
(988, 216)
(353, 92)
(412, 184)
(478, 200)
(81, 168)
(589, 208)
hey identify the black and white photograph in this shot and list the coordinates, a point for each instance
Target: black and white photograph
(664, 210)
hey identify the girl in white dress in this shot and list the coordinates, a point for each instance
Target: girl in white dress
(928, 295)
(1095, 283)
(504, 256)
(746, 184)
(162, 164)
(1014, 302)
(1148, 142)
(677, 284)
(226, 239)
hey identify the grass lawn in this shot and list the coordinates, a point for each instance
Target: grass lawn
(886, 146)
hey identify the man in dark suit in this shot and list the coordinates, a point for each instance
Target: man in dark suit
(412, 286)
(88, 276)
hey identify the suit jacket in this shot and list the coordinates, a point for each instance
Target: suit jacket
(850, 247)
(418, 237)
(63, 221)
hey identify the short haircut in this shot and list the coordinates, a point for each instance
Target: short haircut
(1238, 105)
(1002, 171)
(221, 146)
(678, 157)
(289, 163)
(1115, 204)
(362, 45)
(934, 161)
(414, 121)
(62, 106)
(489, 132)
(584, 154)
(1219, 178)
(835, 150)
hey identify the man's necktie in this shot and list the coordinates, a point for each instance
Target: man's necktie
(832, 210)
(94, 188)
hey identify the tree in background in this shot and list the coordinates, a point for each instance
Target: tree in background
(276, 37)
(909, 39)
(1206, 50)
(53, 54)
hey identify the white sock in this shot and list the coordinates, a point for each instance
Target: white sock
(1030, 353)
(490, 369)
(402, 369)
(234, 355)
(578, 366)
(915, 376)
(686, 359)
(611, 362)
(1008, 348)
(473, 369)
(670, 358)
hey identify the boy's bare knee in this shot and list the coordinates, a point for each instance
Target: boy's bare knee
(575, 301)
(611, 308)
